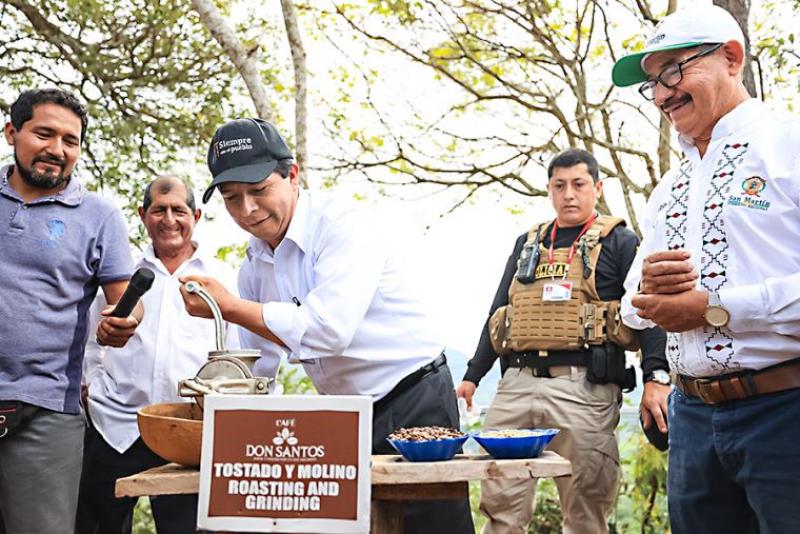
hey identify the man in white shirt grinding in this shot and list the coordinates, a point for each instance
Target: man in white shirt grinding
(719, 270)
(322, 283)
(169, 345)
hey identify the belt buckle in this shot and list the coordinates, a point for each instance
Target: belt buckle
(703, 393)
(541, 372)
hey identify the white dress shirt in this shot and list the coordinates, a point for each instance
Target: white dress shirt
(334, 292)
(168, 346)
(737, 211)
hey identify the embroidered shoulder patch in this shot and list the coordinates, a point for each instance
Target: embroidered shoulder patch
(751, 194)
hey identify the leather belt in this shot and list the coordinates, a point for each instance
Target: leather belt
(742, 385)
(411, 380)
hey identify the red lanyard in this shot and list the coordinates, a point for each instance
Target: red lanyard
(572, 248)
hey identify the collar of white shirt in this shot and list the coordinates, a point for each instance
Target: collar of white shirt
(735, 120)
(200, 252)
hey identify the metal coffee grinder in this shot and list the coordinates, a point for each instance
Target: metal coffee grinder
(226, 371)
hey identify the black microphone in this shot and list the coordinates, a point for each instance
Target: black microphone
(140, 282)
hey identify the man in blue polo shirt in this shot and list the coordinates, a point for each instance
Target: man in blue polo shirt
(60, 243)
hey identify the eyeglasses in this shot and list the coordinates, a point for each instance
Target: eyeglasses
(672, 74)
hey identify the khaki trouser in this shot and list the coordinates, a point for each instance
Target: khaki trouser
(587, 415)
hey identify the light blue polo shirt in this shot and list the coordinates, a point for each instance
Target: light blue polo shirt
(54, 254)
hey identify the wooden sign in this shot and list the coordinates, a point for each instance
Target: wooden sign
(285, 463)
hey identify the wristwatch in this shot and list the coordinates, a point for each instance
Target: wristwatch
(659, 376)
(715, 314)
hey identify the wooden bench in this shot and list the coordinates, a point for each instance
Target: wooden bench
(394, 480)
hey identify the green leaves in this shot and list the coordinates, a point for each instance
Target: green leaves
(642, 503)
(151, 76)
(294, 382)
(405, 12)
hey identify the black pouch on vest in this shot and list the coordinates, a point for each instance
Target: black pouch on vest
(607, 366)
(624, 377)
(10, 417)
(629, 381)
(597, 365)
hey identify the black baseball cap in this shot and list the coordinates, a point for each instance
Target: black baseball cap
(244, 150)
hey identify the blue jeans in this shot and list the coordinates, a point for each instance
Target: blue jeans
(735, 467)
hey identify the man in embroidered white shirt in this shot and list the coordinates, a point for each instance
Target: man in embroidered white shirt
(169, 345)
(322, 283)
(719, 269)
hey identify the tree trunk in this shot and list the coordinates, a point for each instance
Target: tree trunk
(740, 9)
(300, 73)
(244, 60)
(664, 126)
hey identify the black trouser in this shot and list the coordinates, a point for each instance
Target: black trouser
(431, 401)
(99, 512)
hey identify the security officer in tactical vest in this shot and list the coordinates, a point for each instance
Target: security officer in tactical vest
(556, 327)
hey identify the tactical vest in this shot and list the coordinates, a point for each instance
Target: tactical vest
(529, 323)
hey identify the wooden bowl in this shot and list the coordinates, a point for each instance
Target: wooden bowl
(173, 431)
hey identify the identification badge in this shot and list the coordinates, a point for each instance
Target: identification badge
(557, 291)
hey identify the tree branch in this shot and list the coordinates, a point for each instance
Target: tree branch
(300, 74)
(244, 60)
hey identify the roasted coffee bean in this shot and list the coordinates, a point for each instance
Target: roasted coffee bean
(425, 433)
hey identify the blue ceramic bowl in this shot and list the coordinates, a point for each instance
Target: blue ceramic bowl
(529, 446)
(428, 451)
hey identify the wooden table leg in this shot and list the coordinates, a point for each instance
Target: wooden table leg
(386, 517)
(388, 500)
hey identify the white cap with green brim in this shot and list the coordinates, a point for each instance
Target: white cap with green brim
(686, 28)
